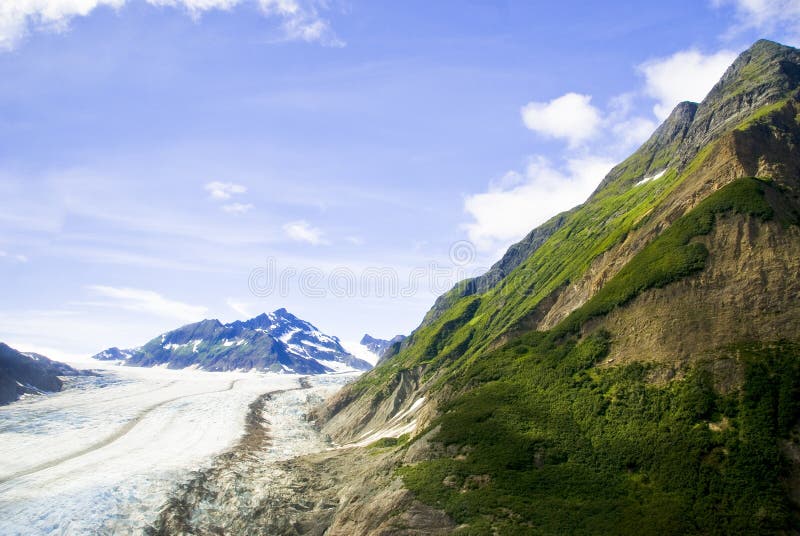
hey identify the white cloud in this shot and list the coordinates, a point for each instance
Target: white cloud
(237, 208)
(302, 231)
(147, 301)
(519, 202)
(224, 190)
(16, 15)
(299, 20)
(571, 117)
(686, 75)
(767, 16)
(196, 7)
(629, 131)
(632, 131)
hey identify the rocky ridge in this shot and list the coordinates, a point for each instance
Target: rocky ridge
(276, 342)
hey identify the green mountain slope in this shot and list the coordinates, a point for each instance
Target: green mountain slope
(630, 366)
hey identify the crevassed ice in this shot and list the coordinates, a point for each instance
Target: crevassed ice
(108, 457)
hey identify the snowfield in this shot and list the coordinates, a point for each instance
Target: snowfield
(103, 455)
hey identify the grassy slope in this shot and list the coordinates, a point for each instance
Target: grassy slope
(552, 444)
(558, 447)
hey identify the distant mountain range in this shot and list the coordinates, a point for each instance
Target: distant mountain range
(275, 342)
(379, 347)
(29, 373)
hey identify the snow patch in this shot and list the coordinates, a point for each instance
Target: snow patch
(394, 428)
(395, 431)
(286, 336)
(651, 178)
(336, 366)
(360, 351)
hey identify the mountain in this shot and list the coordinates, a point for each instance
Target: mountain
(631, 367)
(379, 347)
(277, 342)
(29, 373)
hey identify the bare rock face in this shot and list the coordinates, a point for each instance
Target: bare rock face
(740, 297)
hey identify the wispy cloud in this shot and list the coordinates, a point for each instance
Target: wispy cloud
(224, 190)
(147, 301)
(302, 231)
(237, 208)
(299, 20)
(15, 257)
(221, 191)
(780, 17)
(355, 240)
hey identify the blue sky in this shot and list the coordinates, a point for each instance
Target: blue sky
(162, 160)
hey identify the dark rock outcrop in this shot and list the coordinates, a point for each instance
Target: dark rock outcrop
(29, 373)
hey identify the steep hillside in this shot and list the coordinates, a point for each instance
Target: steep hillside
(30, 373)
(277, 342)
(632, 366)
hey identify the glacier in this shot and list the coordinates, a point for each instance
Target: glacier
(104, 455)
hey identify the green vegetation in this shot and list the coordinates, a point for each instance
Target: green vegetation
(551, 445)
(389, 442)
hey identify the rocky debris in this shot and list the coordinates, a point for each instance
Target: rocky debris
(256, 488)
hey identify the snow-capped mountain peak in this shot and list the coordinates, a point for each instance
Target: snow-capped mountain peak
(276, 341)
